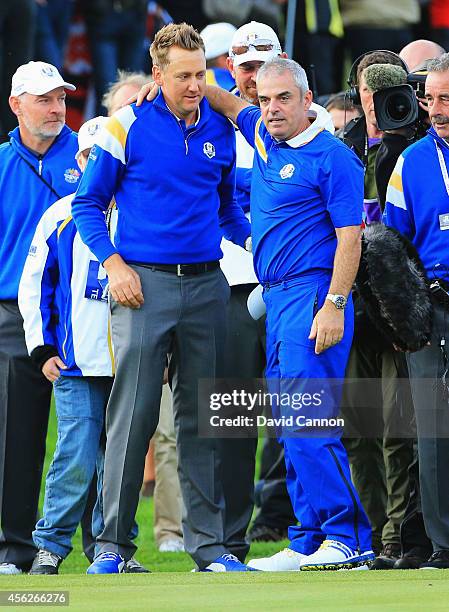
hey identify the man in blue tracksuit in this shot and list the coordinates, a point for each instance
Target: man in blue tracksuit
(170, 165)
(306, 210)
(37, 167)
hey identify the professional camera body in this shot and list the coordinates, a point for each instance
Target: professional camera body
(397, 106)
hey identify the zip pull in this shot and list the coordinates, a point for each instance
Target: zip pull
(187, 146)
(40, 167)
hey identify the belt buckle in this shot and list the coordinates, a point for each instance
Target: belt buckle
(178, 270)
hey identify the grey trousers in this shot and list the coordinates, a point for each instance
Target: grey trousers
(185, 317)
(432, 421)
(24, 407)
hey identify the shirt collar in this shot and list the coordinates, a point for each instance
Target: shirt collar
(308, 134)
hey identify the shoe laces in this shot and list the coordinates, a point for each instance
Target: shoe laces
(229, 557)
(108, 556)
(439, 554)
(44, 557)
(133, 563)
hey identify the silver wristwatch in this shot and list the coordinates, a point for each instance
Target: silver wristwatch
(339, 301)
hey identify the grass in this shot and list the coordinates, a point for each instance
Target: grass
(171, 586)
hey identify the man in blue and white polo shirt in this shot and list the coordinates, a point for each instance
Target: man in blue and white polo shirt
(306, 211)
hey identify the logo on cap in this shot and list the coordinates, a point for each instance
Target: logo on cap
(93, 129)
(287, 171)
(209, 150)
(47, 71)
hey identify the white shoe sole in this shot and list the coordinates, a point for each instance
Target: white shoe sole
(348, 564)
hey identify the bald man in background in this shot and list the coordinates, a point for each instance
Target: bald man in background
(417, 52)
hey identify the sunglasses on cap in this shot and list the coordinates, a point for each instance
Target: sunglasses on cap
(260, 45)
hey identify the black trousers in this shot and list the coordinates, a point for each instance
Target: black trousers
(244, 359)
(430, 399)
(24, 407)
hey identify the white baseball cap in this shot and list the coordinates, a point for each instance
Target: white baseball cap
(37, 78)
(217, 38)
(254, 41)
(88, 134)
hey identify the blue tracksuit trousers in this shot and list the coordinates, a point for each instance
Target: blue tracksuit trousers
(324, 499)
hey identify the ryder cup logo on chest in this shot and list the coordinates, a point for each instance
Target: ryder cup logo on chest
(209, 150)
(287, 171)
(72, 175)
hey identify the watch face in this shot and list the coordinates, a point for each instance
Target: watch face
(340, 302)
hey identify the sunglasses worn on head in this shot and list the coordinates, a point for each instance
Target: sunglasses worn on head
(260, 45)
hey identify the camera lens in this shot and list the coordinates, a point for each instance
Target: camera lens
(398, 107)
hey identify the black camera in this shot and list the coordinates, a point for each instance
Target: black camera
(397, 107)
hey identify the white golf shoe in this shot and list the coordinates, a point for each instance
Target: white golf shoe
(286, 560)
(334, 555)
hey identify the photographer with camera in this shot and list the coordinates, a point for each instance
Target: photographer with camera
(379, 460)
(417, 205)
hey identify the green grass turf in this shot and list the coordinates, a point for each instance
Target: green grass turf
(171, 586)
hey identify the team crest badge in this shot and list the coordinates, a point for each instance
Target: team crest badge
(72, 175)
(287, 171)
(209, 150)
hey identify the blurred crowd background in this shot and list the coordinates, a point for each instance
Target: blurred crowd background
(89, 40)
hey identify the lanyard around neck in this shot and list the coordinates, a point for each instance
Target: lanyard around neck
(443, 166)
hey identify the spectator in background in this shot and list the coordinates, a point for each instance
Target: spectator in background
(417, 52)
(342, 109)
(36, 169)
(376, 372)
(187, 10)
(17, 22)
(116, 31)
(52, 30)
(265, 11)
(439, 22)
(217, 38)
(370, 24)
(319, 42)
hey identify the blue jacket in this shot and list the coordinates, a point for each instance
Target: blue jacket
(173, 185)
(60, 298)
(24, 198)
(418, 203)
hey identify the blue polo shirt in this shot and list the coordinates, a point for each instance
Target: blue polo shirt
(301, 190)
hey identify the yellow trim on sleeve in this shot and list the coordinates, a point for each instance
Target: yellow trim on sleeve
(259, 142)
(396, 182)
(64, 224)
(114, 127)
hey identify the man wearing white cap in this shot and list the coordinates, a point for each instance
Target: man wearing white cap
(37, 167)
(217, 38)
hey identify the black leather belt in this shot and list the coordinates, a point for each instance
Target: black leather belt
(184, 269)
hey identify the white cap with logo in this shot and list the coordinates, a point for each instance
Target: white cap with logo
(254, 41)
(88, 134)
(217, 38)
(37, 78)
